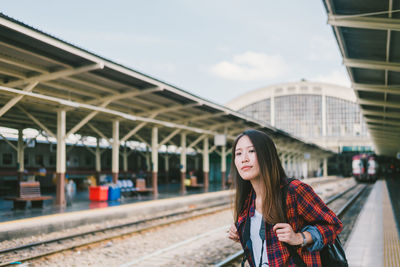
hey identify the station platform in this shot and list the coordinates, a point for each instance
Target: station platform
(374, 240)
(81, 202)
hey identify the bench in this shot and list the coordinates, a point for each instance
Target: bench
(141, 186)
(28, 191)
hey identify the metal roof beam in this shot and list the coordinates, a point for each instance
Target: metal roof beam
(381, 113)
(195, 142)
(100, 133)
(16, 99)
(85, 120)
(68, 88)
(169, 137)
(89, 84)
(24, 51)
(133, 131)
(167, 109)
(377, 103)
(12, 73)
(383, 121)
(371, 64)
(21, 64)
(115, 97)
(48, 39)
(202, 117)
(354, 21)
(55, 75)
(41, 125)
(389, 89)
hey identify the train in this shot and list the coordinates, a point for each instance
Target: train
(365, 167)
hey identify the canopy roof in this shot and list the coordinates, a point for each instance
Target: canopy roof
(367, 32)
(40, 74)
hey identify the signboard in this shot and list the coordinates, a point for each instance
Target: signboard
(398, 155)
(219, 140)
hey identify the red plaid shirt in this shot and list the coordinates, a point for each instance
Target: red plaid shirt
(304, 207)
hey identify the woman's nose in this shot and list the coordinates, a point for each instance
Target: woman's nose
(245, 157)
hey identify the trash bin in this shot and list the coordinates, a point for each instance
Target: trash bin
(114, 193)
(98, 193)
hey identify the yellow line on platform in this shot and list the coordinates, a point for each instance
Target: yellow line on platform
(390, 236)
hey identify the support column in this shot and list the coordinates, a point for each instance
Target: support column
(206, 164)
(183, 162)
(98, 161)
(125, 160)
(324, 115)
(272, 99)
(154, 159)
(325, 168)
(223, 167)
(61, 158)
(20, 155)
(115, 151)
(166, 163)
(148, 164)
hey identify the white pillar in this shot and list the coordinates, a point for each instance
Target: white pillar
(125, 159)
(154, 159)
(223, 166)
(206, 164)
(323, 115)
(98, 156)
(148, 163)
(183, 162)
(61, 158)
(115, 151)
(20, 154)
(166, 163)
(325, 168)
(272, 112)
(305, 169)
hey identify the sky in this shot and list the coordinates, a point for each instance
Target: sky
(215, 49)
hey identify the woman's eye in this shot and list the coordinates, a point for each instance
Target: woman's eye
(252, 151)
(238, 154)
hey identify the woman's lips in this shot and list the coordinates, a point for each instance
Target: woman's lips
(245, 168)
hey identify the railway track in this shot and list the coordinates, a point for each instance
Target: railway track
(36, 250)
(339, 203)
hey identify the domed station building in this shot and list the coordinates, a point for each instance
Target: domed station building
(321, 113)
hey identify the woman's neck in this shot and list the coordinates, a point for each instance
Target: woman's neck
(259, 190)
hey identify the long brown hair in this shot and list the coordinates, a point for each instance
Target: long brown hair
(272, 177)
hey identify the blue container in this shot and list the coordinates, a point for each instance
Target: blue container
(114, 193)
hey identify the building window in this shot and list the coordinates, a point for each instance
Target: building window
(26, 159)
(52, 160)
(7, 159)
(39, 160)
(88, 160)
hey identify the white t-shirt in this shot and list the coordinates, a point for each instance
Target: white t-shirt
(255, 225)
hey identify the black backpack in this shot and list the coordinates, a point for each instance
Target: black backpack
(332, 255)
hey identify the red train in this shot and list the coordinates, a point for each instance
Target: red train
(365, 167)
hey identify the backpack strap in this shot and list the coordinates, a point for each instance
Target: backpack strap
(292, 251)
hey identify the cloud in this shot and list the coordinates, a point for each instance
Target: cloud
(338, 77)
(250, 66)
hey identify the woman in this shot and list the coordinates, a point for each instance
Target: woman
(261, 226)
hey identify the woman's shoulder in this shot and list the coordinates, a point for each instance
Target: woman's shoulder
(299, 187)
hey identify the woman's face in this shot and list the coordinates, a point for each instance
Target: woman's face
(246, 159)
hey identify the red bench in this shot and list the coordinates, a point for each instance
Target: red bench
(28, 191)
